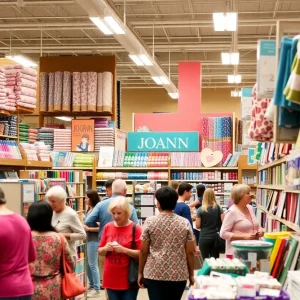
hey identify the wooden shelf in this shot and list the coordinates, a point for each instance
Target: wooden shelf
(39, 164)
(283, 221)
(25, 110)
(75, 113)
(203, 180)
(205, 169)
(8, 137)
(132, 168)
(5, 112)
(272, 187)
(12, 162)
(72, 168)
(70, 182)
(159, 180)
(272, 164)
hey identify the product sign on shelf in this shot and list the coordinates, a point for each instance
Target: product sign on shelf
(82, 132)
(266, 68)
(163, 141)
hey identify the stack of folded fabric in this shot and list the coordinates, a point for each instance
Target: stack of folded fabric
(8, 125)
(104, 137)
(3, 95)
(23, 80)
(23, 132)
(62, 140)
(43, 151)
(101, 122)
(83, 160)
(33, 135)
(46, 135)
(11, 100)
(30, 151)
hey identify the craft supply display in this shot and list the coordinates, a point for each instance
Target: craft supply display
(146, 159)
(10, 150)
(133, 176)
(85, 91)
(214, 176)
(62, 140)
(46, 135)
(8, 126)
(217, 135)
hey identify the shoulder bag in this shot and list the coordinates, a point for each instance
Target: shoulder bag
(219, 242)
(133, 265)
(70, 284)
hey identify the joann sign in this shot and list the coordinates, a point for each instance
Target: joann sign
(163, 141)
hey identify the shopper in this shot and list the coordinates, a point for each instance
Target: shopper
(115, 246)
(16, 252)
(185, 192)
(240, 222)
(65, 220)
(167, 251)
(101, 214)
(200, 191)
(46, 270)
(209, 217)
(174, 184)
(92, 233)
(108, 189)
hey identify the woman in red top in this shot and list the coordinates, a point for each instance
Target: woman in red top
(115, 245)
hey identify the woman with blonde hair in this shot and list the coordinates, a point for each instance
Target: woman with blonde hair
(240, 222)
(115, 245)
(209, 218)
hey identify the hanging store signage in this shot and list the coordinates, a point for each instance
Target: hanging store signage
(266, 68)
(246, 103)
(163, 141)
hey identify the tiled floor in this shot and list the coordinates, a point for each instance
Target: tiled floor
(141, 296)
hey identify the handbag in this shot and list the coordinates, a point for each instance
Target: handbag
(133, 265)
(70, 283)
(219, 242)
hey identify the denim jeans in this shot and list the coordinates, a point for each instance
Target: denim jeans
(92, 268)
(18, 298)
(130, 294)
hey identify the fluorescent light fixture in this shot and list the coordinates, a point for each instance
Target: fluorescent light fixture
(236, 93)
(157, 80)
(141, 60)
(161, 80)
(234, 78)
(136, 60)
(100, 24)
(113, 24)
(174, 95)
(146, 60)
(225, 22)
(230, 58)
(67, 119)
(22, 60)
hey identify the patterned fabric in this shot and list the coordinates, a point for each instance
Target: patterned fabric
(261, 129)
(76, 92)
(51, 92)
(92, 91)
(58, 88)
(100, 93)
(107, 88)
(43, 91)
(45, 271)
(167, 234)
(83, 91)
(67, 90)
(26, 83)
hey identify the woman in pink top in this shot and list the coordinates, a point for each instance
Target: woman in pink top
(240, 222)
(16, 252)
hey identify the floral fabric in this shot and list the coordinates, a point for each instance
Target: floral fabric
(45, 271)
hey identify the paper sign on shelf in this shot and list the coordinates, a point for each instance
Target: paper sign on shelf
(266, 68)
(28, 192)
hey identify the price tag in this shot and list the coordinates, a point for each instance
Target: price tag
(252, 257)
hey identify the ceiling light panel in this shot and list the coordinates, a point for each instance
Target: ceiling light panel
(114, 25)
(101, 25)
(146, 60)
(136, 60)
(174, 95)
(157, 80)
(234, 79)
(225, 22)
(230, 58)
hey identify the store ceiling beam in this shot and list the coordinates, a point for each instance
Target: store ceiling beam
(38, 3)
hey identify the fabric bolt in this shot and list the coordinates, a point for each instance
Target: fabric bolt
(51, 84)
(76, 91)
(26, 83)
(58, 89)
(92, 91)
(100, 92)
(83, 91)
(107, 87)
(67, 91)
(43, 91)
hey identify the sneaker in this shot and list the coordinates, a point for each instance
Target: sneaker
(90, 288)
(93, 294)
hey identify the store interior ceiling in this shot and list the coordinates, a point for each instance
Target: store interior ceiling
(171, 30)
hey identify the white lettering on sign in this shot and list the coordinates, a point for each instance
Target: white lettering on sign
(168, 143)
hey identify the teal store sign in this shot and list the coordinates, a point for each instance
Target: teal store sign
(163, 141)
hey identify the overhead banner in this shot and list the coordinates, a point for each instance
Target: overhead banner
(266, 68)
(163, 141)
(246, 102)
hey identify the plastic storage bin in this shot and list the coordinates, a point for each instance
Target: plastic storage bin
(255, 254)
